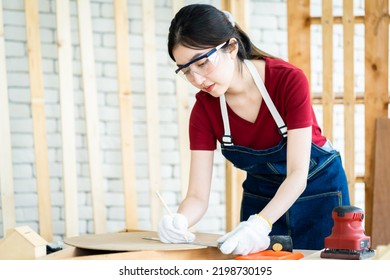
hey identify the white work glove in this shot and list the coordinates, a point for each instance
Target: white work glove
(248, 237)
(174, 229)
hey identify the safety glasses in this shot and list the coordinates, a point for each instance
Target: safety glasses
(202, 65)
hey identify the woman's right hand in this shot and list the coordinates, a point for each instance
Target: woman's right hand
(174, 229)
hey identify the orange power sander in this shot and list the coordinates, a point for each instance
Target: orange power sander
(348, 239)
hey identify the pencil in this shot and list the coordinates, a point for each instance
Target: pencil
(164, 204)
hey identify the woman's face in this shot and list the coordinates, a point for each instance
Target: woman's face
(214, 78)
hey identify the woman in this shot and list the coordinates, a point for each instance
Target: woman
(294, 176)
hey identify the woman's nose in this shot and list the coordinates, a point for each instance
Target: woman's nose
(198, 79)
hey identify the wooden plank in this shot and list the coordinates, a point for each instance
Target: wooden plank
(349, 96)
(152, 110)
(149, 250)
(39, 119)
(135, 241)
(376, 89)
(239, 10)
(327, 66)
(336, 20)
(6, 170)
(73, 253)
(298, 32)
(126, 114)
(381, 190)
(235, 177)
(65, 73)
(183, 112)
(91, 115)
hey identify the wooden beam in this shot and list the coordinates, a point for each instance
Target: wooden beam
(39, 118)
(91, 115)
(327, 66)
(239, 10)
(380, 234)
(235, 177)
(336, 20)
(298, 33)
(376, 88)
(65, 59)
(349, 96)
(152, 110)
(126, 114)
(183, 112)
(6, 170)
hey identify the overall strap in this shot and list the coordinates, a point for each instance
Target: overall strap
(267, 99)
(226, 138)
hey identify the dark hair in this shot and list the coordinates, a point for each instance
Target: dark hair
(201, 26)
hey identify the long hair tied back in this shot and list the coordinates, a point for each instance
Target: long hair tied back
(201, 26)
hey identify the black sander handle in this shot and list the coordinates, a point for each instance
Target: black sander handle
(281, 243)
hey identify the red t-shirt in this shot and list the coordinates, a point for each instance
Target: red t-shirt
(289, 90)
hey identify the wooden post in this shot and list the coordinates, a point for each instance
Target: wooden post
(91, 115)
(126, 115)
(327, 76)
(152, 110)
(234, 176)
(39, 118)
(65, 59)
(380, 230)
(6, 170)
(298, 32)
(376, 92)
(349, 97)
(182, 96)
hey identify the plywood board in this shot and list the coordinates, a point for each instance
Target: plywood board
(133, 241)
(381, 190)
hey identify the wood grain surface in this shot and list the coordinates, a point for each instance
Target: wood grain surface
(133, 241)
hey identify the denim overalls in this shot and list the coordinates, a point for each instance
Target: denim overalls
(309, 220)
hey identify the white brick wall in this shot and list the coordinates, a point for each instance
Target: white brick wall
(268, 30)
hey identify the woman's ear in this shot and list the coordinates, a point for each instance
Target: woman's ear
(232, 48)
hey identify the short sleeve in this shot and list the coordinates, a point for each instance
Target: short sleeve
(200, 129)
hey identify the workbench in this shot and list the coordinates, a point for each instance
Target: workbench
(118, 246)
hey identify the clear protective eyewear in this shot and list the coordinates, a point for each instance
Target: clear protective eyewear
(205, 64)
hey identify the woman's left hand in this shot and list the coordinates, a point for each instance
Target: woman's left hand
(248, 237)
